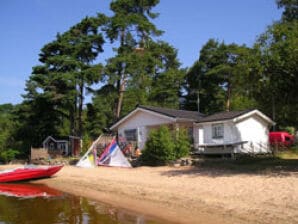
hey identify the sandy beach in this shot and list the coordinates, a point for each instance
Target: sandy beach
(187, 194)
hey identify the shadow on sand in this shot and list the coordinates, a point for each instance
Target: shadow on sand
(267, 166)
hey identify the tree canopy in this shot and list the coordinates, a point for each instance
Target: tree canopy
(219, 78)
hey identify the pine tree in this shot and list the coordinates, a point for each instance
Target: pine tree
(220, 78)
(55, 91)
(131, 27)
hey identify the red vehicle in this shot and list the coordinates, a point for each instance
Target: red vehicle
(281, 138)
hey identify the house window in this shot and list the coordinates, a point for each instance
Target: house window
(217, 131)
(131, 135)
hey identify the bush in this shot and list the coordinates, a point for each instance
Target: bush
(159, 148)
(289, 129)
(182, 145)
(8, 155)
(162, 147)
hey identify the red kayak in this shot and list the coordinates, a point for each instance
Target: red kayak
(28, 172)
(28, 190)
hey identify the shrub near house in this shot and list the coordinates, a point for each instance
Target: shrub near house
(164, 146)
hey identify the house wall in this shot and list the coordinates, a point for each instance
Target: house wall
(229, 134)
(253, 129)
(50, 145)
(198, 135)
(62, 146)
(256, 131)
(142, 121)
(203, 133)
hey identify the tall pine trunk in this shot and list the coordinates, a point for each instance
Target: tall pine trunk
(120, 97)
(80, 112)
(72, 117)
(228, 102)
(121, 80)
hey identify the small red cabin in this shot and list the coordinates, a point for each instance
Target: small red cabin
(281, 138)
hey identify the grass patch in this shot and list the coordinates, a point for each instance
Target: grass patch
(291, 153)
(261, 164)
(287, 155)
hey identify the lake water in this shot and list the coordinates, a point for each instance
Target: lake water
(27, 203)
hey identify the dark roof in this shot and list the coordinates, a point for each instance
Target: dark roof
(226, 115)
(184, 114)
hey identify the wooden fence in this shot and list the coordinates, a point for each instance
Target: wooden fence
(41, 153)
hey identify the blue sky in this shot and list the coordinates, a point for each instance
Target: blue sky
(27, 25)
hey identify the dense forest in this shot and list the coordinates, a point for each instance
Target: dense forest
(145, 70)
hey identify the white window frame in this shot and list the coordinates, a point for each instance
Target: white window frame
(217, 131)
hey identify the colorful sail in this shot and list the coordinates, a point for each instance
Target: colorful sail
(113, 156)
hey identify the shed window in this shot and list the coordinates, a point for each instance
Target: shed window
(131, 135)
(217, 131)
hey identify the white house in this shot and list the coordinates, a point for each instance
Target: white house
(233, 132)
(224, 132)
(136, 125)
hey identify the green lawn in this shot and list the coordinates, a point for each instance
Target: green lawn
(292, 153)
(282, 162)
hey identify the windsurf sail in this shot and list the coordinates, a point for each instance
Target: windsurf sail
(89, 158)
(113, 156)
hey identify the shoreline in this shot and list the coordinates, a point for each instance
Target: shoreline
(186, 194)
